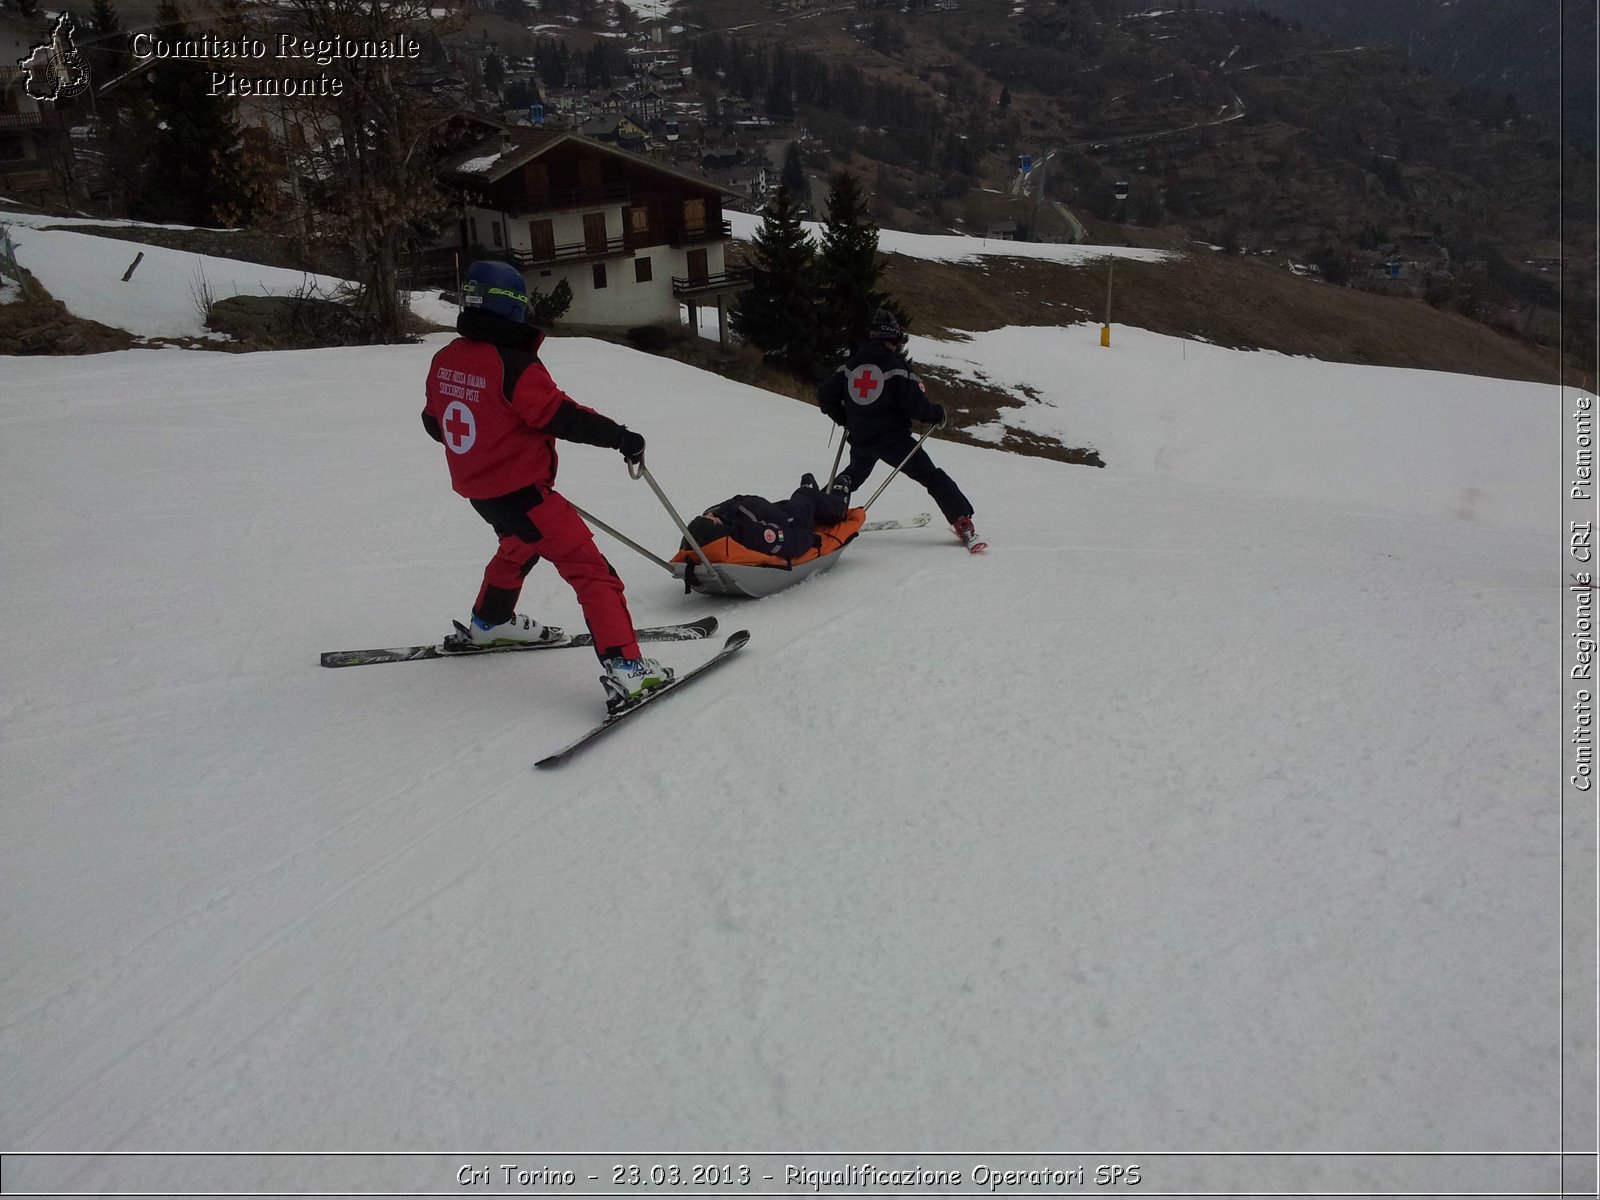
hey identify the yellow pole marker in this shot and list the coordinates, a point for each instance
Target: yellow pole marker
(1105, 330)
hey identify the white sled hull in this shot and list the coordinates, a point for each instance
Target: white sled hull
(752, 582)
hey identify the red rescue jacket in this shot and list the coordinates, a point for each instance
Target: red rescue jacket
(494, 407)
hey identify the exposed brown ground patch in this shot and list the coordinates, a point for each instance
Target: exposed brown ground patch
(1223, 299)
(41, 324)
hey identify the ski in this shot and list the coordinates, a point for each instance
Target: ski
(735, 642)
(916, 522)
(689, 631)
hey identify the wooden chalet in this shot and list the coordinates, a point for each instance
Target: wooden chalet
(633, 239)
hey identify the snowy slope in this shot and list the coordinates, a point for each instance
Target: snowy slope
(958, 248)
(1338, 433)
(1194, 815)
(161, 298)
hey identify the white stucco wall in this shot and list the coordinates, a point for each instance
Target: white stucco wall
(516, 231)
(624, 300)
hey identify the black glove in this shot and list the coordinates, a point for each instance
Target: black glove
(632, 445)
(939, 419)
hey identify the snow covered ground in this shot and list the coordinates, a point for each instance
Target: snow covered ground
(956, 248)
(1198, 815)
(1334, 433)
(161, 299)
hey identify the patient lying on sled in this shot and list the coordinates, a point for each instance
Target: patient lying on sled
(785, 529)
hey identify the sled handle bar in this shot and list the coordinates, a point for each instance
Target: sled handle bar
(623, 538)
(639, 471)
(837, 459)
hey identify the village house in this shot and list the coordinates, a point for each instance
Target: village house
(614, 130)
(35, 146)
(632, 238)
(647, 107)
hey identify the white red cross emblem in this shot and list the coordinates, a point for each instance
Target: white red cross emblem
(460, 430)
(866, 384)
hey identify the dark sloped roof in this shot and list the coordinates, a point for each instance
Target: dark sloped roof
(489, 161)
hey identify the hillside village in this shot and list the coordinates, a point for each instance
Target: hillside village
(1089, 121)
(1202, 816)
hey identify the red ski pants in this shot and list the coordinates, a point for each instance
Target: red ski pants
(537, 523)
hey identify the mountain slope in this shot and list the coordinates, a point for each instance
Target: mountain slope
(1192, 814)
(1235, 128)
(1543, 54)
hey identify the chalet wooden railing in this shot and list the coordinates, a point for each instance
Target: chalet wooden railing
(686, 287)
(437, 265)
(25, 180)
(574, 252)
(13, 120)
(687, 235)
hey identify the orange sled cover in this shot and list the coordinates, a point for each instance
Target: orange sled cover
(741, 571)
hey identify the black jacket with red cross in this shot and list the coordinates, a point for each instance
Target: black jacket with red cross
(876, 395)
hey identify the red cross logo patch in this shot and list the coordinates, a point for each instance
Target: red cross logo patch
(866, 384)
(460, 431)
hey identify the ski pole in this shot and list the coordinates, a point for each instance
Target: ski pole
(643, 472)
(624, 539)
(903, 462)
(834, 473)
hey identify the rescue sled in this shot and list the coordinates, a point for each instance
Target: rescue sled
(736, 570)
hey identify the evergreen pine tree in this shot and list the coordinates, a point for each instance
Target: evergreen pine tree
(103, 17)
(777, 315)
(194, 158)
(847, 271)
(105, 46)
(122, 118)
(794, 174)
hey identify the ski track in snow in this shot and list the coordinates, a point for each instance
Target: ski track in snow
(1194, 813)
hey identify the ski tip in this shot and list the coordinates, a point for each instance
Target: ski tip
(736, 639)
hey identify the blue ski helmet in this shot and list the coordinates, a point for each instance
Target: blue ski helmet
(496, 287)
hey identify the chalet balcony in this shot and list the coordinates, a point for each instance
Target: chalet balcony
(575, 252)
(439, 265)
(709, 287)
(18, 178)
(691, 235)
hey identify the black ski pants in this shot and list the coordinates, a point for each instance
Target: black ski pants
(919, 468)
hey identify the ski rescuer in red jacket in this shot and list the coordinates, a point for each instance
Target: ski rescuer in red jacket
(494, 408)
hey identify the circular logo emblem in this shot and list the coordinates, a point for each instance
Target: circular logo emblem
(865, 384)
(460, 430)
(770, 535)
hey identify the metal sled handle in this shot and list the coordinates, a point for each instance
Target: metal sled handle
(837, 458)
(623, 538)
(643, 472)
